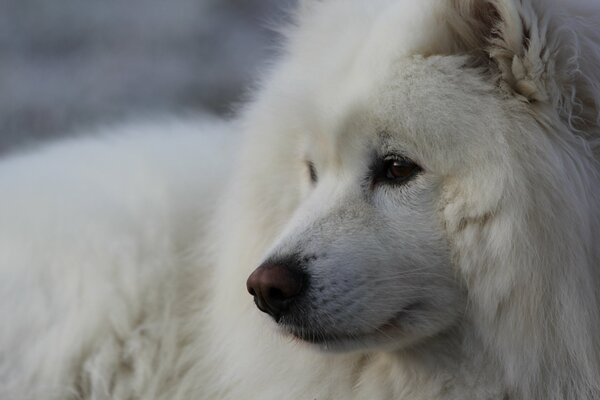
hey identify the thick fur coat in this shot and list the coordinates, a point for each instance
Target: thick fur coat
(430, 168)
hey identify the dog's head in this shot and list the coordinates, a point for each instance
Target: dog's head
(365, 259)
(425, 164)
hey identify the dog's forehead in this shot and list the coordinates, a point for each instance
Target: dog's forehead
(435, 98)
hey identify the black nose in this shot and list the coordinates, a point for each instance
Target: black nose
(275, 286)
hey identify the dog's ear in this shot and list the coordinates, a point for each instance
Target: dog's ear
(494, 33)
(542, 51)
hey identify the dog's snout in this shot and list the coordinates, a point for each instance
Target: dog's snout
(275, 286)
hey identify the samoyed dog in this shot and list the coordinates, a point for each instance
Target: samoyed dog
(409, 209)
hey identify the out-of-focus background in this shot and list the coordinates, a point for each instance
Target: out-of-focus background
(69, 64)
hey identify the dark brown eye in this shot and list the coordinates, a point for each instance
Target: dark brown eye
(397, 171)
(312, 171)
(401, 170)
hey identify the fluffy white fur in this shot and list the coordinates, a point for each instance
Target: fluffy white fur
(123, 258)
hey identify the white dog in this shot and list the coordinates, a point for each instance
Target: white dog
(414, 204)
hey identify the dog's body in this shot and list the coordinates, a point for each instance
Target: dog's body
(418, 182)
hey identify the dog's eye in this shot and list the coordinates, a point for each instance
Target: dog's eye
(312, 171)
(397, 171)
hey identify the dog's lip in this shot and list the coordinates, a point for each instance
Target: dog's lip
(386, 329)
(338, 337)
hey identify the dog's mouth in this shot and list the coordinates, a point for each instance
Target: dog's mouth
(342, 341)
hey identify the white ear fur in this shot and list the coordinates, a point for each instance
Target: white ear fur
(541, 51)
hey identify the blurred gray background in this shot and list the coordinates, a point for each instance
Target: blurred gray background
(69, 64)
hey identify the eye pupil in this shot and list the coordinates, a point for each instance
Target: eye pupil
(399, 170)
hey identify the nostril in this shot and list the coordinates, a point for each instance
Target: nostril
(276, 294)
